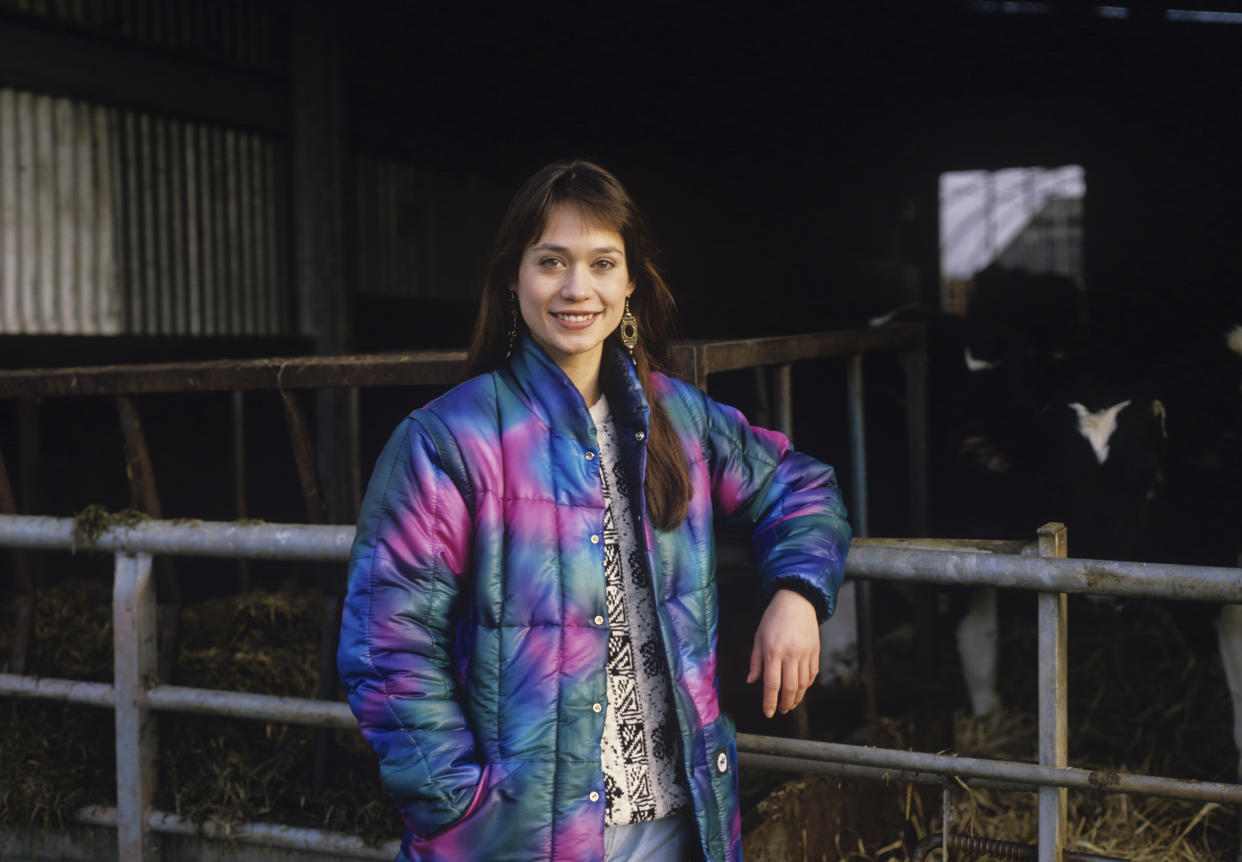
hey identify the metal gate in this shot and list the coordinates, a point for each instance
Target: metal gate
(135, 698)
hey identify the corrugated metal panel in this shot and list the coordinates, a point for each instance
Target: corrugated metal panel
(115, 222)
(247, 34)
(201, 230)
(56, 247)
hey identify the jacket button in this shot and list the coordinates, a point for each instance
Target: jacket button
(599, 621)
(590, 456)
(639, 435)
(594, 797)
(595, 540)
(595, 707)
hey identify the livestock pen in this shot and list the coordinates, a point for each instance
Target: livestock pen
(137, 691)
(135, 697)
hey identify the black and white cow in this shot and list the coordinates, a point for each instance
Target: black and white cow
(1029, 425)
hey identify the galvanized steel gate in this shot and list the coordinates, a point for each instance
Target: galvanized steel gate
(135, 699)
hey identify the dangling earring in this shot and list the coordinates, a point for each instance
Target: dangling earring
(513, 326)
(629, 329)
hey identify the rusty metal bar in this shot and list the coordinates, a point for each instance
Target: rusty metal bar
(729, 355)
(424, 367)
(1053, 616)
(145, 495)
(696, 359)
(138, 469)
(304, 458)
(133, 614)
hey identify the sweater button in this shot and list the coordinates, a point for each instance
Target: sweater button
(595, 540)
(590, 456)
(599, 621)
(594, 797)
(595, 707)
(639, 435)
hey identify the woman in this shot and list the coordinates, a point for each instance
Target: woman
(529, 639)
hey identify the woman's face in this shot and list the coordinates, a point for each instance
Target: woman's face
(571, 288)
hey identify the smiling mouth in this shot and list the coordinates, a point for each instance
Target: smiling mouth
(575, 318)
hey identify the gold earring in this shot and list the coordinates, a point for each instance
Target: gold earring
(513, 323)
(629, 329)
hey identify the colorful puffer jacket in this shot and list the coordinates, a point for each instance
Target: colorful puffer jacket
(475, 636)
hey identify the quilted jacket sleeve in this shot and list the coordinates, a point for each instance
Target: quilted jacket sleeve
(788, 500)
(410, 552)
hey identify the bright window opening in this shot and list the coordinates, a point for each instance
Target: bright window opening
(1019, 218)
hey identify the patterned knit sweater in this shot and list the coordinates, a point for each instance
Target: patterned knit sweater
(640, 750)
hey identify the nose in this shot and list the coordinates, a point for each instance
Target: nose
(574, 284)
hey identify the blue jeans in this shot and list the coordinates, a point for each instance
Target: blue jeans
(669, 839)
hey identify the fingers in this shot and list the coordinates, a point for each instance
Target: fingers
(785, 682)
(756, 663)
(786, 652)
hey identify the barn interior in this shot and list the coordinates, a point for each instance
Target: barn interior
(207, 180)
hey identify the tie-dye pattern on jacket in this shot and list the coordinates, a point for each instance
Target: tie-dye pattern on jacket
(474, 638)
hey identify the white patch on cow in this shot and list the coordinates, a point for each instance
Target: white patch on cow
(1234, 340)
(1229, 633)
(1097, 428)
(838, 641)
(976, 365)
(977, 648)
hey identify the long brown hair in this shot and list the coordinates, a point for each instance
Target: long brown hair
(600, 194)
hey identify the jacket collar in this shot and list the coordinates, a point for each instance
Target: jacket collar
(557, 402)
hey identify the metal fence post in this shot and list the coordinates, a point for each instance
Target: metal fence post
(858, 517)
(135, 656)
(1053, 614)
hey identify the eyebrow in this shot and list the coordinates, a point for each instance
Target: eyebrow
(546, 246)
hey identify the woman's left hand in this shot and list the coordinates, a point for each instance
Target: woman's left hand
(786, 651)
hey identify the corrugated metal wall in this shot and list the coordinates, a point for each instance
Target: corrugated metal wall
(200, 230)
(113, 222)
(57, 261)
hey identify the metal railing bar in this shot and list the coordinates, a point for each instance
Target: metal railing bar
(65, 690)
(192, 538)
(265, 834)
(1216, 584)
(776, 763)
(1106, 781)
(173, 698)
(260, 707)
(874, 559)
(769, 752)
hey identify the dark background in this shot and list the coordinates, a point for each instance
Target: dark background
(788, 155)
